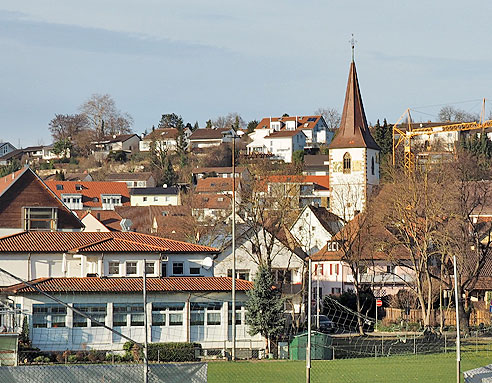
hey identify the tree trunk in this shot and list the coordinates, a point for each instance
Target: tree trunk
(463, 313)
(359, 309)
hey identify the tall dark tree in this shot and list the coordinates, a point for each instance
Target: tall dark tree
(252, 126)
(265, 307)
(195, 127)
(171, 120)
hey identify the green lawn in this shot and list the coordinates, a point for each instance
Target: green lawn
(411, 368)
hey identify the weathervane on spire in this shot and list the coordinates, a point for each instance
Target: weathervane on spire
(352, 42)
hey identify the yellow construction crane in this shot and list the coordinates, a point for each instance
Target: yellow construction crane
(401, 136)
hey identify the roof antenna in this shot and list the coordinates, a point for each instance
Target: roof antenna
(352, 42)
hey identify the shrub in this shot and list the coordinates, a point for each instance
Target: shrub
(72, 359)
(80, 355)
(39, 359)
(59, 357)
(172, 352)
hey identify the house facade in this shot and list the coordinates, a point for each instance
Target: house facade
(155, 196)
(133, 180)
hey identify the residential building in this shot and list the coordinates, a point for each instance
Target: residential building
(6, 147)
(314, 226)
(354, 156)
(316, 165)
(314, 127)
(102, 221)
(169, 195)
(11, 156)
(206, 138)
(220, 172)
(279, 144)
(164, 139)
(95, 195)
(133, 180)
(27, 203)
(128, 143)
(86, 177)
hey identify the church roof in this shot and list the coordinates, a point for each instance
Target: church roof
(353, 131)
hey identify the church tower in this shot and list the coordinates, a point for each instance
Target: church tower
(354, 156)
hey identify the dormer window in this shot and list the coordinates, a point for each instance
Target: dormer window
(347, 163)
(77, 187)
(59, 187)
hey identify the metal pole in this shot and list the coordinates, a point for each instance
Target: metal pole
(233, 351)
(376, 329)
(308, 347)
(317, 300)
(146, 361)
(458, 345)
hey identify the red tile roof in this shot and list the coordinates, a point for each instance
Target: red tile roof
(9, 179)
(108, 218)
(91, 190)
(59, 242)
(215, 185)
(323, 181)
(301, 121)
(208, 134)
(130, 285)
(212, 201)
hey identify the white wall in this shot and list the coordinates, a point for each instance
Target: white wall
(149, 200)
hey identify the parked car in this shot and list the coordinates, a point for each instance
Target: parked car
(326, 325)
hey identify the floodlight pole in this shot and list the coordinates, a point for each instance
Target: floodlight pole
(308, 343)
(233, 234)
(146, 360)
(458, 345)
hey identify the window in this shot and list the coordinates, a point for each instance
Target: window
(347, 163)
(48, 315)
(336, 269)
(135, 183)
(240, 274)
(144, 199)
(239, 308)
(78, 187)
(282, 275)
(59, 187)
(114, 267)
(149, 267)
(209, 310)
(195, 270)
(96, 311)
(156, 199)
(131, 268)
(372, 165)
(40, 218)
(178, 268)
(124, 314)
(390, 269)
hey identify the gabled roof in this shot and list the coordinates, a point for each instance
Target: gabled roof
(108, 218)
(285, 134)
(303, 122)
(140, 176)
(208, 134)
(326, 218)
(323, 181)
(90, 190)
(129, 285)
(212, 201)
(17, 153)
(117, 138)
(9, 181)
(162, 134)
(354, 131)
(215, 184)
(62, 242)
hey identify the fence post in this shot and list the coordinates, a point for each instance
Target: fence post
(158, 356)
(333, 353)
(445, 342)
(382, 345)
(375, 351)
(414, 345)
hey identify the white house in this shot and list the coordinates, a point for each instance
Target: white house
(164, 139)
(314, 227)
(155, 196)
(354, 156)
(206, 138)
(128, 143)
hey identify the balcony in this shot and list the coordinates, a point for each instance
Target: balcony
(385, 278)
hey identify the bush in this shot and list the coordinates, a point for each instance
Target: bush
(172, 352)
(72, 359)
(39, 359)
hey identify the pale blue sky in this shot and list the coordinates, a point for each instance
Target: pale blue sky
(206, 58)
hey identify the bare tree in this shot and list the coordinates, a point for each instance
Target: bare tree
(413, 209)
(331, 115)
(233, 120)
(104, 117)
(452, 114)
(465, 236)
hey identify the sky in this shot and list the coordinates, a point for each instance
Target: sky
(206, 58)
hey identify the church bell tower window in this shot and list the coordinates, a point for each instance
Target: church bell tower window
(347, 163)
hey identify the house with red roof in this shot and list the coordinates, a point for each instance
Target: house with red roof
(100, 274)
(95, 195)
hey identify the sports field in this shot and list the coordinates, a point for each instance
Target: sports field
(411, 368)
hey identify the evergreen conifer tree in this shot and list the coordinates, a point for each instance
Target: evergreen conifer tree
(265, 307)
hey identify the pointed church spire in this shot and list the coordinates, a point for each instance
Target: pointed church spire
(353, 131)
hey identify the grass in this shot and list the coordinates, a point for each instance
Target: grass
(410, 368)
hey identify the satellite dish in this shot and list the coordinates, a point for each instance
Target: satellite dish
(207, 263)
